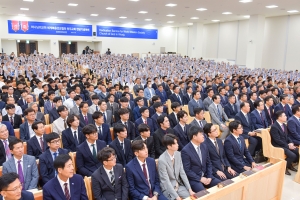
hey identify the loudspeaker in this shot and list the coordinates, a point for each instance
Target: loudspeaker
(94, 33)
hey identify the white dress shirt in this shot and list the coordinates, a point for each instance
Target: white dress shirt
(62, 184)
(91, 147)
(38, 139)
(107, 172)
(141, 164)
(16, 163)
(58, 125)
(69, 103)
(18, 111)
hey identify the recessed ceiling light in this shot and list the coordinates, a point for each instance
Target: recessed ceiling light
(72, 4)
(227, 13)
(292, 11)
(171, 4)
(24, 8)
(94, 15)
(201, 9)
(245, 1)
(148, 20)
(29, 0)
(143, 12)
(61, 12)
(170, 22)
(194, 17)
(215, 20)
(272, 6)
(81, 19)
(21, 15)
(122, 17)
(170, 15)
(190, 24)
(246, 16)
(110, 8)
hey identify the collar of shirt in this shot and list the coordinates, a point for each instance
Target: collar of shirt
(107, 171)
(296, 117)
(122, 142)
(98, 126)
(38, 138)
(90, 144)
(195, 146)
(244, 113)
(258, 111)
(52, 152)
(9, 116)
(279, 123)
(74, 130)
(236, 137)
(143, 138)
(213, 141)
(216, 105)
(171, 157)
(61, 182)
(141, 163)
(16, 161)
(181, 126)
(124, 122)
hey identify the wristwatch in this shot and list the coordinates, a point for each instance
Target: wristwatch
(155, 194)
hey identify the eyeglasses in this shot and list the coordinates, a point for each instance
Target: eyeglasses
(16, 188)
(95, 133)
(213, 130)
(114, 158)
(55, 141)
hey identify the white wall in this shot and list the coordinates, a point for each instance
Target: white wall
(9, 46)
(43, 46)
(183, 34)
(211, 40)
(241, 53)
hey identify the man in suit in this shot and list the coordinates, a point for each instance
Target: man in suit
(72, 136)
(269, 110)
(70, 102)
(103, 93)
(196, 162)
(85, 117)
(144, 119)
(162, 94)
(176, 107)
(149, 92)
(181, 129)
(142, 176)
(37, 144)
(53, 114)
(258, 116)
(252, 99)
(49, 104)
(94, 107)
(208, 100)
(164, 128)
(280, 138)
(224, 99)
(196, 102)
(293, 125)
(26, 131)
(199, 118)
(231, 108)
(124, 104)
(8, 184)
(22, 101)
(109, 180)
(124, 114)
(144, 130)
(5, 138)
(111, 104)
(75, 110)
(236, 151)
(121, 145)
(107, 114)
(47, 170)
(137, 86)
(283, 105)
(255, 143)
(136, 110)
(15, 120)
(176, 97)
(275, 95)
(173, 180)
(188, 96)
(66, 185)
(218, 116)
(141, 94)
(220, 165)
(10, 93)
(86, 156)
(22, 164)
(60, 124)
(159, 111)
(103, 129)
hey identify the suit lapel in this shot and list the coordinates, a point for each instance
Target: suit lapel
(213, 146)
(58, 188)
(36, 143)
(193, 150)
(25, 165)
(88, 151)
(139, 170)
(105, 177)
(72, 187)
(236, 143)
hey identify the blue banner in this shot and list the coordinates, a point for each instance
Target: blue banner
(124, 32)
(48, 28)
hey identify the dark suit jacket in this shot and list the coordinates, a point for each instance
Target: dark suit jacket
(192, 165)
(2, 150)
(34, 148)
(150, 145)
(47, 170)
(162, 95)
(122, 158)
(251, 105)
(85, 161)
(20, 102)
(286, 111)
(217, 158)
(224, 101)
(247, 126)
(157, 136)
(105, 136)
(154, 118)
(149, 123)
(68, 139)
(53, 190)
(270, 118)
(53, 115)
(173, 98)
(136, 113)
(145, 102)
(9, 128)
(24, 195)
(293, 126)
(138, 185)
(117, 116)
(4, 98)
(17, 120)
(238, 158)
(172, 119)
(279, 138)
(2, 105)
(82, 121)
(229, 111)
(257, 120)
(183, 138)
(104, 190)
(186, 99)
(130, 130)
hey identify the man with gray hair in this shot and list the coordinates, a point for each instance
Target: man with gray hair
(39, 116)
(5, 138)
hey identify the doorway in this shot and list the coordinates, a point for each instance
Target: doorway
(27, 47)
(67, 47)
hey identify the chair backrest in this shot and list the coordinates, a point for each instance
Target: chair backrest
(186, 109)
(268, 149)
(73, 157)
(17, 133)
(112, 133)
(190, 119)
(168, 102)
(48, 128)
(88, 186)
(42, 109)
(25, 147)
(47, 120)
(207, 117)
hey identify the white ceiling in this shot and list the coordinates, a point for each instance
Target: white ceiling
(156, 9)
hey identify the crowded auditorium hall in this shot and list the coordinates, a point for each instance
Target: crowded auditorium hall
(149, 100)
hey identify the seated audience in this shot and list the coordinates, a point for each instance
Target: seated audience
(144, 131)
(26, 131)
(176, 107)
(136, 110)
(199, 118)
(144, 119)
(5, 138)
(258, 116)
(75, 110)
(53, 114)
(181, 129)
(159, 111)
(11, 100)
(293, 125)
(124, 119)
(196, 102)
(37, 144)
(94, 107)
(48, 105)
(103, 129)
(60, 124)
(85, 118)
(283, 105)
(269, 110)
(38, 115)
(15, 120)
(231, 108)
(8, 126)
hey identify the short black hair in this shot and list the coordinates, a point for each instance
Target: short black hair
(124, 99)
(77, 97)
(105, 154)
(61, 108)
(9, 106)
(256, 103)
(207, 127)
(82, 104)
(35, 124)
(215, 96)
(101, 101)
(278, 114)
(181, 114)
(267, 98)
(143, 109)
(198, 110)
(174, 105)
(51, 136)
(169, 139)
(95, 97)
(143, 128)
(56, 99)
(7, 179)
(89, 129)
(194, 130)
(160, 119)
(13, 142)
(51, 92)
(138, 99)
(71, 119)
(97, 114)
(295, 108)
(123, 111)
(61, 160)
(138, 145)
(282, 97)
(28, 110)
(157, 104)
(234, 125)
(243, 104)
(118, 127)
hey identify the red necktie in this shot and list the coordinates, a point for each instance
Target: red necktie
(145, 121)
(146, 176)
(67, 192)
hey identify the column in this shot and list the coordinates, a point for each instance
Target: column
(195, 43)
(255, 41)
(54, 47)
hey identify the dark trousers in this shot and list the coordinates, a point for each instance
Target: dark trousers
(197, 186)
(291, 156)
(255, 144)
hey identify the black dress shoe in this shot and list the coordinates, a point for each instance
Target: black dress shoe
(292, 168)
(287, 172)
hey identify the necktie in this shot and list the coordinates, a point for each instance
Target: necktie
(199, 153)
(220, 116)
(20, 172)
(55, 155)
(270, 115)
(24, 101)
(65, 124)
(184, 129)
(240, 143)
(97, 108)
(75, 138)
(94, 151)
(11, 121)
(216, 145)
(145, 122)
(99, 130)
(104, 117)
(200, 123)
(67, 192)
(86, 120)
(146, 177)
(262, 119)
(179, 99)
(52, 105)
(125, 124)
(112, 178)
(42, 144)
(246, 116)
(198, 103)
(112, 108)
(122, 146)
(232, 107)
(63, 99)
(282, 127)
(7, 151)
(284, 108)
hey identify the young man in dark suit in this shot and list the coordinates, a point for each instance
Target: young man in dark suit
(231, 108)
(181, 129)
(109, 180)
(86, 156)
(124, 104)
(144, 131)
(15, 120)
(85, 117)
(124, 115)
(144, 119)
(47, 170)
(236, 150)
(176, 107)
(159, 111)
(143, 181)
(220, 165)
(25, 132)
(258, 116)
(121, 144)
(37, 144)
(72, 136)
(269, 109)
(66, 185)
(176, 96)
(136, 110)
(283, 105)
(196, 161)
(103, 128)
(53, 114)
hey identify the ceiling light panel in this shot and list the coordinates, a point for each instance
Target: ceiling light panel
(171, 4)
(61, 12)
(272, 6)
(143, 12)
(72, 4)
(110, 8)
(201, 9)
